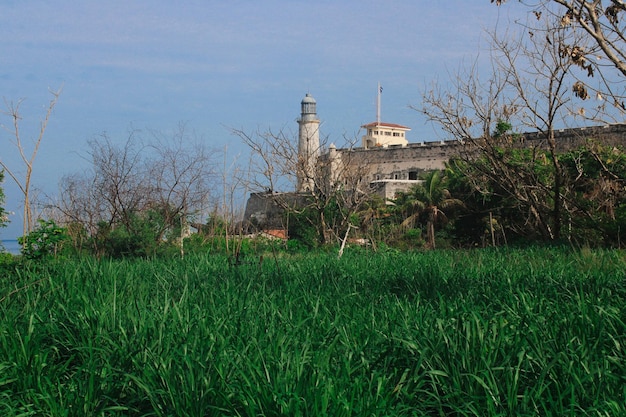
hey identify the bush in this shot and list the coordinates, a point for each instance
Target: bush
(7, 263)
(45, 241)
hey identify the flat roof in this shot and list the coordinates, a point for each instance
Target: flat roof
(383, 124)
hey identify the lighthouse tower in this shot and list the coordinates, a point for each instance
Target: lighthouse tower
(308, 144)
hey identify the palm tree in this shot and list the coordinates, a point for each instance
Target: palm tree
(430, 198)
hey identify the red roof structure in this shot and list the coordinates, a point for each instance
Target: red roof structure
(275, 234)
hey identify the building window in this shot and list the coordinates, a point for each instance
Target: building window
(377, 177)
(387, 133)
(395, 176)
(369, 132)
(413, 175)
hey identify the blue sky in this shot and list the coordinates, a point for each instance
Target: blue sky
(216, 65)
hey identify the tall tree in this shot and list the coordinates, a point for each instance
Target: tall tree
(539, 72)
(27, 153)
(181, 175)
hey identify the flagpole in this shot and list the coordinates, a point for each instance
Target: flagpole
(378, 104)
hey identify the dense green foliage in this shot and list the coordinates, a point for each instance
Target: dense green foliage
(45, 241)
(144, 234)
(592, 197)
(463, 333)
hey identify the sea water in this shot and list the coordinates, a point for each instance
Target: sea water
(11, 246)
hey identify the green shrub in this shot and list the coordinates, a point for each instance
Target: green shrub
(46, 240)
(8, 262)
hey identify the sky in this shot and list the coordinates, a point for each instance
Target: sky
(221, 65)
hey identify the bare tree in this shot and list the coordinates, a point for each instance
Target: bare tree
(335, 179)
(528, 87)
(600, 52)
(4, 219)
(539, 73)
(171, 176)
(235, 183)
(275, 159)
(27, 152)
(180, 177)
(110, 192)
(121, 178)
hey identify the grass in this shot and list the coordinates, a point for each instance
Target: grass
(460, 333)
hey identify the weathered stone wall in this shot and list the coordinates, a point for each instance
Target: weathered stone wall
(568, 139)
(401, 163)
(267, 210)
(404, 163)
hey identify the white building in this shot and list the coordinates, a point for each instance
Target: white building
(308, 144)
(379, 134)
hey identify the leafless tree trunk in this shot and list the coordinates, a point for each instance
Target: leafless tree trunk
(27, 156)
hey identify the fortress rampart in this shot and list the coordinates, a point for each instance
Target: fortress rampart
(403, 162)
(393, 168)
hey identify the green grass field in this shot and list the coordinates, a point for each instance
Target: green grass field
(534, 332)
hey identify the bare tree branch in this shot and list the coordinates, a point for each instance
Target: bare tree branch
(13, 111)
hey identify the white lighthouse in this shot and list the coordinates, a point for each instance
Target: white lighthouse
(308, 144)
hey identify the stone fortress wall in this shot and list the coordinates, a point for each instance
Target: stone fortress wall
(396, 168)
(399, 162)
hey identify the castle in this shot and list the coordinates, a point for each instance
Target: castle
(386, 162)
